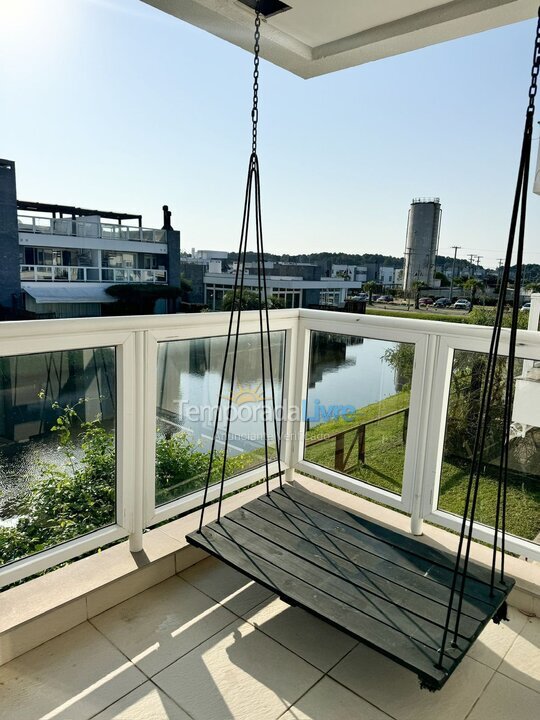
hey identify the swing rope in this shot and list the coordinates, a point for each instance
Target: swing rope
(517, 227)
(252, 198)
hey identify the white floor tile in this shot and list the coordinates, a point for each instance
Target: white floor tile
(397, 692)
(147, 702)
(226, 585)
(315, 640)
(158, 626)
(239, 674)
(496, 640)
(522, 661)
(505, 699)
(330, 701)
(72, 677)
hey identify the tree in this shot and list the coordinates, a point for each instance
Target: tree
(418, 286)
(250, 301)
(370, 286)
(533, 287)
(473, 284)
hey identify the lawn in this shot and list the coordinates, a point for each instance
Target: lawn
(384, 461)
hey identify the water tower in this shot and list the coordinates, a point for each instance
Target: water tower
(423, 229)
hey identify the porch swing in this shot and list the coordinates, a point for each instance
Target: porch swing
(419, 606)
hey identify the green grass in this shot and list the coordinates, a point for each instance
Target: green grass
(385, 455)
(385, 451)
(418, 315)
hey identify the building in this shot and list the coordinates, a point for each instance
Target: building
(294, 284)
(350, 272)
(58, 260)
(423, 230)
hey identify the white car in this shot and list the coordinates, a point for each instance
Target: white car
(526, 307)
(462, 305)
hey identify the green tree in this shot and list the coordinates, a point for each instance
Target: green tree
(250, 301)
(473, 285)
(370, 287)
(417, 287)
(533, 287)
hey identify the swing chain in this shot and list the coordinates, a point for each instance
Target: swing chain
(535, 69)
(255, 109)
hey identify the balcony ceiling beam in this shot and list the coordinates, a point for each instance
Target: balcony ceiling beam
(315, 37)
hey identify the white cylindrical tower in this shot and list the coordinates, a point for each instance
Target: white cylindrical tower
(423, 230)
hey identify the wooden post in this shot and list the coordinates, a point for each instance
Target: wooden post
(339, 455)
(361, 444)
(405, 425)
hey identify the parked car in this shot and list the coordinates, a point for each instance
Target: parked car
(442, 302)
(385, 299)
(425, 301)
(462, 304)
(526, 307)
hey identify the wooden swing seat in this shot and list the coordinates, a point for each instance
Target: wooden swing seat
(386, 589)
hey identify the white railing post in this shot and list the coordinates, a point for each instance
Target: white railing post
(139, 451)
(298, 359)
(421, 477)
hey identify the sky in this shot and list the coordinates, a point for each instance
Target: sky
(112, 104)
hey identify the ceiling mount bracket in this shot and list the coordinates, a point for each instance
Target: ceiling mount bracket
(267, 8)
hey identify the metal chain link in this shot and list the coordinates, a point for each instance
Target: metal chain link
(255, 108)
(535, 69)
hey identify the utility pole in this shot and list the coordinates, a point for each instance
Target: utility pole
(478, 258)
(455, 248)
(471, 264)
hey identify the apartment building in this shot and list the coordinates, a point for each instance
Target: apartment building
(58, 260)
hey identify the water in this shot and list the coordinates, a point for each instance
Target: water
(343, 371)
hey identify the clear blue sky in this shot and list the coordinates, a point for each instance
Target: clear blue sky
(112, 104)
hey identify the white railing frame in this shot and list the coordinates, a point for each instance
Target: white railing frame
(136, 341)
(84, 228)
(119, 274)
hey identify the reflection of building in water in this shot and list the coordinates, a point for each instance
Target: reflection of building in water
(203, 358)
(329, 354)
(31, 384)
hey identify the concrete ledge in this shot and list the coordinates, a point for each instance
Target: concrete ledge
(32, 613)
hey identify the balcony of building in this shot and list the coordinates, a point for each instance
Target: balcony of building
(88, 228)
(78, 274)
(147, 627)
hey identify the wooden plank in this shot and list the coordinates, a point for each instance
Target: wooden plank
(413, 655)
(383, 601)
(475, 590)
(384, 534)
(380, 586)
(369, 561)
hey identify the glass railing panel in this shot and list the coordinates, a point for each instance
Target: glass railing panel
(44, 272)
(25, 224)
(357, 410)
(27, 272)
(57, 448)
(523, 495)
(42, 225)
(62, 273)
(189, 373)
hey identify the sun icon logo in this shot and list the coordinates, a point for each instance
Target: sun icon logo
(244, 394)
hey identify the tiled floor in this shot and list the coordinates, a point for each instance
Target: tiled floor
(208, 645)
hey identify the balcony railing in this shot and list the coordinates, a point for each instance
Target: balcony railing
(87, 229)
(116, 415)
(69, 273)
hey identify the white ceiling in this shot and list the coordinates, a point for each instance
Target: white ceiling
(321, 36)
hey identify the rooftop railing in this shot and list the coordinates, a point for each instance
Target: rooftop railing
(107, 422)
(76, 274)
(87, 229)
